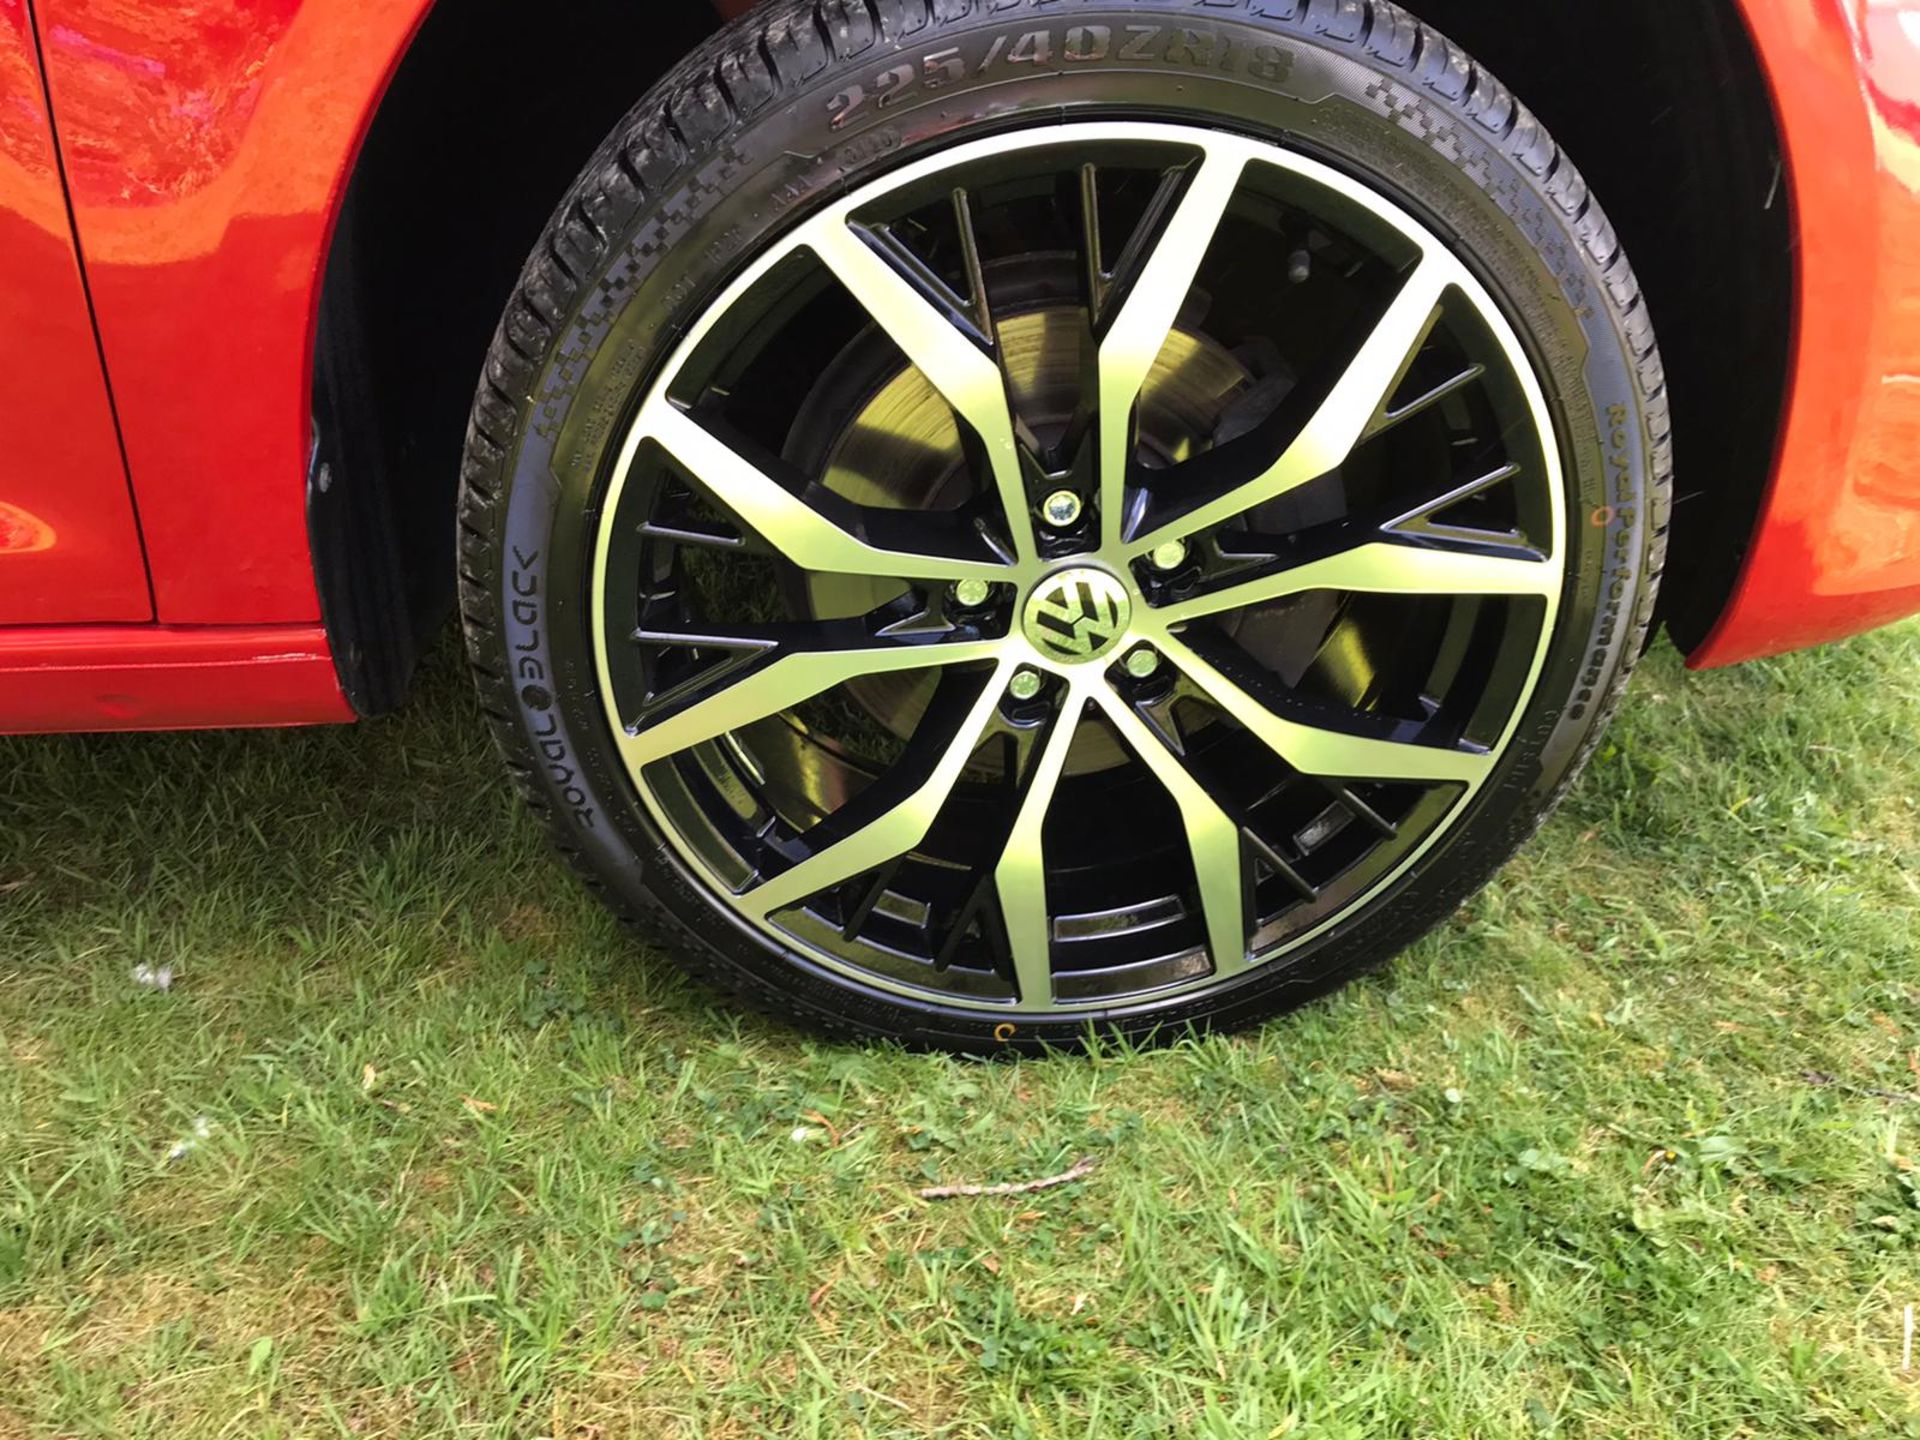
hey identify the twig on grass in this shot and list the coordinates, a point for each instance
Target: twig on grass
(1021, 1187)
(1904, 1097)
(871, 1394)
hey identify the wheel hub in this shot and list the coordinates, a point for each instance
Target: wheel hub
(901, 449)
(1077, 615)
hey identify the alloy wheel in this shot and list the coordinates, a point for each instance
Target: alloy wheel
(1078, 568)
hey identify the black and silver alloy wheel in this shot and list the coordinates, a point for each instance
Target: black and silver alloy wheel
(1192, 605)
(1088, 568)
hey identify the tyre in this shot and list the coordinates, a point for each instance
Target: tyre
(987, 523)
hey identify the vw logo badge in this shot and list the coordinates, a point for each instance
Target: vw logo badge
(1077, 615)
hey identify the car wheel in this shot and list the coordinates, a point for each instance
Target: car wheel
(990, 523)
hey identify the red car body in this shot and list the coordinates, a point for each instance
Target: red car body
(171, 176)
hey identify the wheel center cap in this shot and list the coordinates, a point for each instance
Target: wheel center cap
(1077, 615)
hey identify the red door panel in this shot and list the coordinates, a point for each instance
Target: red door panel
(69, 547)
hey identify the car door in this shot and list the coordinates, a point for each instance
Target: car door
(69, 542)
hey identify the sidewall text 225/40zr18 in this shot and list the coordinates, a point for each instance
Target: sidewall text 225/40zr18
(798, 103)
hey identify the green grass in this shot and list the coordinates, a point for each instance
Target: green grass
(471, 1166)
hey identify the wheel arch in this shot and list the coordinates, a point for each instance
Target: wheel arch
(1691, 174)
(1695, 180)
(483, 124)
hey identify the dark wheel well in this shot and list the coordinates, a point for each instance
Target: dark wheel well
(1668, 113)
(1665, 108)
(487, 121)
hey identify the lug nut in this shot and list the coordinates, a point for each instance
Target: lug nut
(1170, 556)
(972, 594)
(1061, 509)
(1024, 685)
(1143, 663)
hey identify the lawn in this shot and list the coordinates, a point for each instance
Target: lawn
(415, 1144)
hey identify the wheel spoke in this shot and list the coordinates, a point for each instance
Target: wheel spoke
(780, 684)
(1021, 875)
(1422, 522)
(895, 831)
(965, 375)
(1139, 330)
(1316, 750)
(1386, 419)
(805, 535)
(1350, 411)
(1381, 568)
(1213, 836)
